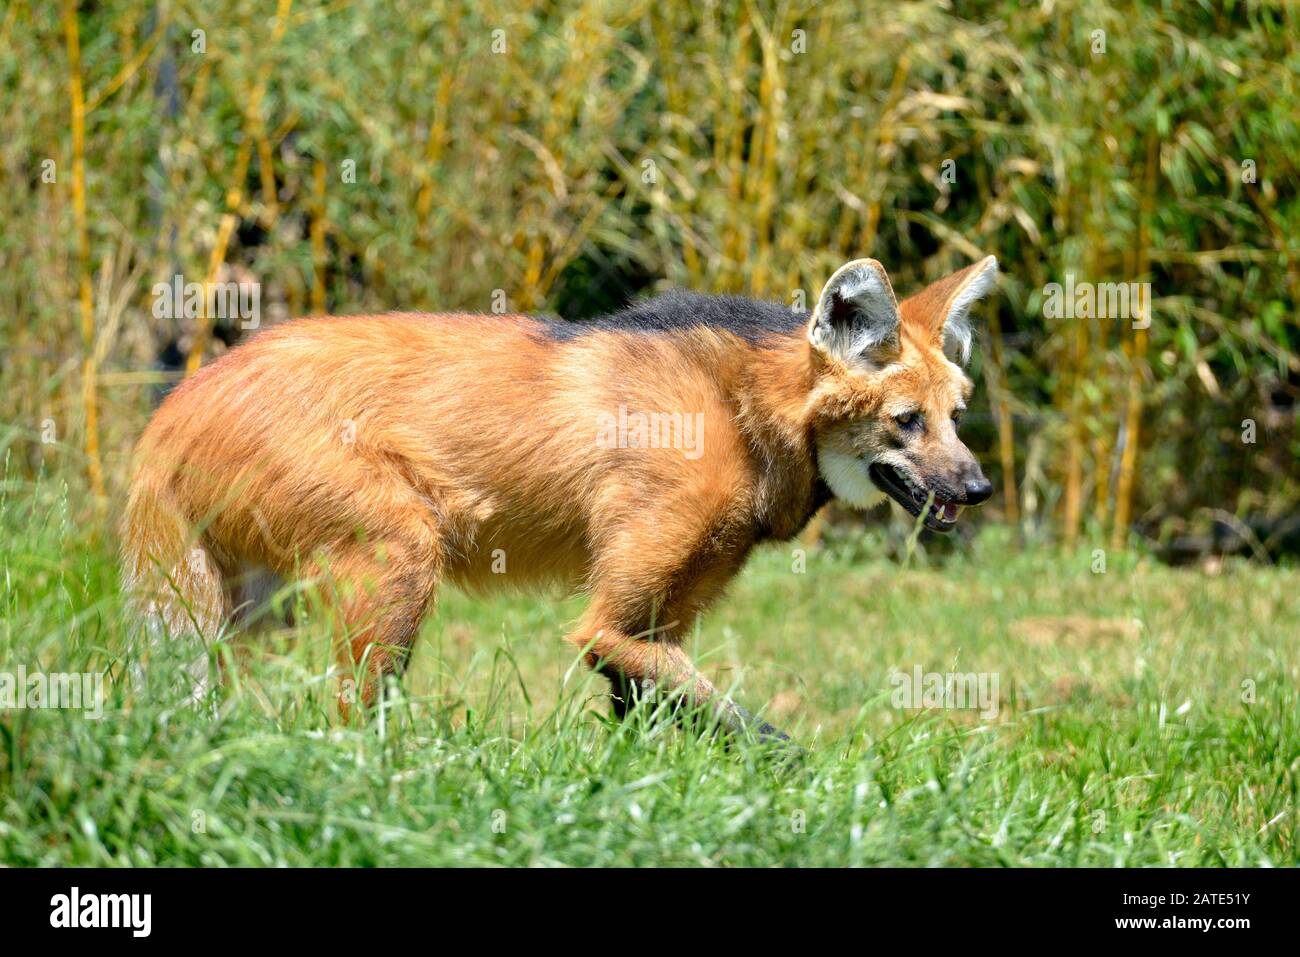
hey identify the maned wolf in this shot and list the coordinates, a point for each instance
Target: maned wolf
(638, 458)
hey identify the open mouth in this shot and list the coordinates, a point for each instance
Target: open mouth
(940, 516)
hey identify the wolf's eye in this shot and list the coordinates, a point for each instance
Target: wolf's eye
(908, 420)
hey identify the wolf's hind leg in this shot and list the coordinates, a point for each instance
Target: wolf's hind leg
(381, 593)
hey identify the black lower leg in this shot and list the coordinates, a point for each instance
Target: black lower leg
(620, 692)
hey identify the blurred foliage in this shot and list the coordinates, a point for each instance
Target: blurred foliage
(576, 155)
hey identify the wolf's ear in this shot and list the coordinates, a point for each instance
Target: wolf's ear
(942, 309)
(856, 316)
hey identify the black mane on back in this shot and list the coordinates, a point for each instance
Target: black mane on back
(677, 311)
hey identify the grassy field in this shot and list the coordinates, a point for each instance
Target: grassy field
(1146, 716)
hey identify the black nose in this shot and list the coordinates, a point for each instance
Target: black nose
(978, 490)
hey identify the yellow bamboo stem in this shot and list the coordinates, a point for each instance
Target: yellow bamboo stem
(1101, 455)
(433, 152)
(234, 201)
(678, 105)
(884, 136)
(1128, 459)
(996, 374)
(1136, 366)
(764, 168)
(89, 392)
(735, 235)
(133, 65)
(266, 164)
(235, 193)
(1074, 445)
(318, 229)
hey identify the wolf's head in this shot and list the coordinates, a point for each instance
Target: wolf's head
(888, 396)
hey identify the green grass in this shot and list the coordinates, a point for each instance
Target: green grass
(1122, 738)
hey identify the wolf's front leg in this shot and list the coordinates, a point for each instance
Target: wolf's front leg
(650, 666)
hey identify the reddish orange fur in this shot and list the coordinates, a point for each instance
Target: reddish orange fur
(389, 453)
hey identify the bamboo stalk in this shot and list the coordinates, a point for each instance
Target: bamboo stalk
(257, 121)
(266, 167)
(234, 202)
(1136, 351)
(678, 104)
(1101, 457)
(764, 166)
(996, 378)
(235, 193)
(133, 64)
(89, 391)
(995, 372)
(1116, 384)
(735, 237)
(1074, 442)
(433, 153)
(1080, 405)
(842, 243)
(318, 229)
(885, 132)
(1137, 367)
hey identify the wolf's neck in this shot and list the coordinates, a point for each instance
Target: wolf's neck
(771, 395)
